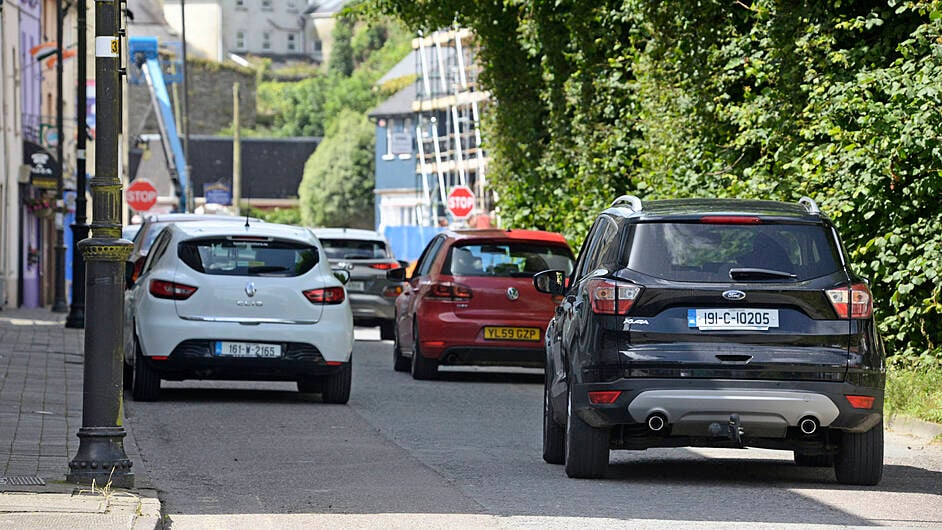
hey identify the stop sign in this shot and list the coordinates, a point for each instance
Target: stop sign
(141, 195)
(460, 202)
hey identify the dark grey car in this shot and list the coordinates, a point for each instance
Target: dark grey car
(366, 255)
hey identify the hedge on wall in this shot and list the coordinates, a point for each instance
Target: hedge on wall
(836, 100)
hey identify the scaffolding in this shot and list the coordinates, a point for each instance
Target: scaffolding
(448, 131)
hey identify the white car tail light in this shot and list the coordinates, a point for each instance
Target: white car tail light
(171, 290)
(326, 295)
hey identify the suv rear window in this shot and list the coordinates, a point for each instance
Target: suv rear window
(355, 249)
(506, 259)
(706, 252)
(227, 257)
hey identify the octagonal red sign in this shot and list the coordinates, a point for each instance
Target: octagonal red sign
(141, 195)
(460, 202)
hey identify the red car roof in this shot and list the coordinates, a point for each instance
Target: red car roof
(496, 233)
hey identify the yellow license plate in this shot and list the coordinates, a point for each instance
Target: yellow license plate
(509, 333)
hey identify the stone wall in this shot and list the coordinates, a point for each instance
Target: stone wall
(210, 102)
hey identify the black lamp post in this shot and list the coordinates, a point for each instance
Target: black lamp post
(76, 318)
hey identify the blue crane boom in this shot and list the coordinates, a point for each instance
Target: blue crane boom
(144, 53)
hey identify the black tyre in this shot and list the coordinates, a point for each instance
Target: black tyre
(387, 329)
(336, 387)
(806, 460)
(127, 376)
(554, 435)
(309, 385)
(400, 363)
(586, 447)
(145, 382)
(422, 367)
(859, 461)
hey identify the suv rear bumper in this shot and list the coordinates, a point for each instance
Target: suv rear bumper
(765, 408)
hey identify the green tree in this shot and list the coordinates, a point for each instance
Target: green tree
(337, 187)
(341, 54)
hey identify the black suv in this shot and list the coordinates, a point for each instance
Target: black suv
(713, 323)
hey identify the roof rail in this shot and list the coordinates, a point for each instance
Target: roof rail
(809, 205)
(633, 201)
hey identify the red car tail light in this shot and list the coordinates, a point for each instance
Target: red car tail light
(449, 291)
(852, 302)
(326, 295)
(171, 290)
(730, 220)
(611, 297)
(861, 402)
(385, 266)
(604, 397)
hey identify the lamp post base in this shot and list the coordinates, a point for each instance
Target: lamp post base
(101, 458)
(76, 318)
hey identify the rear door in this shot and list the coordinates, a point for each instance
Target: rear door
(500, 276)
(731, 300)
(248, 279)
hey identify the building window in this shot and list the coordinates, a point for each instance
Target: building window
(266, 40)
(292, 42)
(316, 45)
(266, 5)
(240, 40)
(291, 4)
(240, 4)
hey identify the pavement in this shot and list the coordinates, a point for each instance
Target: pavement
(40, 413)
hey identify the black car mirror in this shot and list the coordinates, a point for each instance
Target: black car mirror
(396, 275)
(551, 282)
(342, 274)
(403, 263)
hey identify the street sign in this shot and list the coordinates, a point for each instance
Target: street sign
(141, 195)
(460, 202)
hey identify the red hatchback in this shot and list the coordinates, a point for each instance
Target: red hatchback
(471, 300)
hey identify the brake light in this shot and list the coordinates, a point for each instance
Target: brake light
(604, 397)
(611, 297)
(853, 302)
(861, 402)
(171, 290)
(449, 291)
(730, 220)
(326, 295)
(384, 266)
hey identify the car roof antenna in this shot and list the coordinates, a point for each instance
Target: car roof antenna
(248, 210)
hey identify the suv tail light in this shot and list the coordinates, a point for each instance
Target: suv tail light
(449, 291)
(611, 297)
(385, 266)
(854, 301)
(326, 295)
(171, 290)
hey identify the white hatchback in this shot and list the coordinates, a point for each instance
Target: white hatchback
(256, 302)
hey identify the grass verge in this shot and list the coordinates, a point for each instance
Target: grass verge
(916, 393)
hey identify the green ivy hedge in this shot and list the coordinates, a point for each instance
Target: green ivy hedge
(836, 100)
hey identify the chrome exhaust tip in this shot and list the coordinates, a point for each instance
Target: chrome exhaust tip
(657, 422)
(808, 425)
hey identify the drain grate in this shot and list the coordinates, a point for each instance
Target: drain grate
(22, 480)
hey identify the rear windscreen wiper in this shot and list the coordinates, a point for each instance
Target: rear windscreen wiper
(759, 274)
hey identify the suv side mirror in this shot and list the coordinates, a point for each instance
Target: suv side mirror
(342, 274)
(550, 282)
(396, 275)
(403, 263)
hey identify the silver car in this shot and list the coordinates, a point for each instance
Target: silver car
(367, 256)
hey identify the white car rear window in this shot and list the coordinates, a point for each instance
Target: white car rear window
(229, 257)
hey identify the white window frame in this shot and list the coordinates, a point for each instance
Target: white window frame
(292, 42)
(240, 40)
(266, 40)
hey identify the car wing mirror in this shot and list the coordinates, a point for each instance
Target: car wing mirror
(342, 274)
(396, 275)
(403, 263)
(550, 282)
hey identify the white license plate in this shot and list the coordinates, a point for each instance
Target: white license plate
(248, 349)
(356, 286)
(732, 319)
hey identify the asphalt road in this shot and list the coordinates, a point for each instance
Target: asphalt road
(464, 451)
